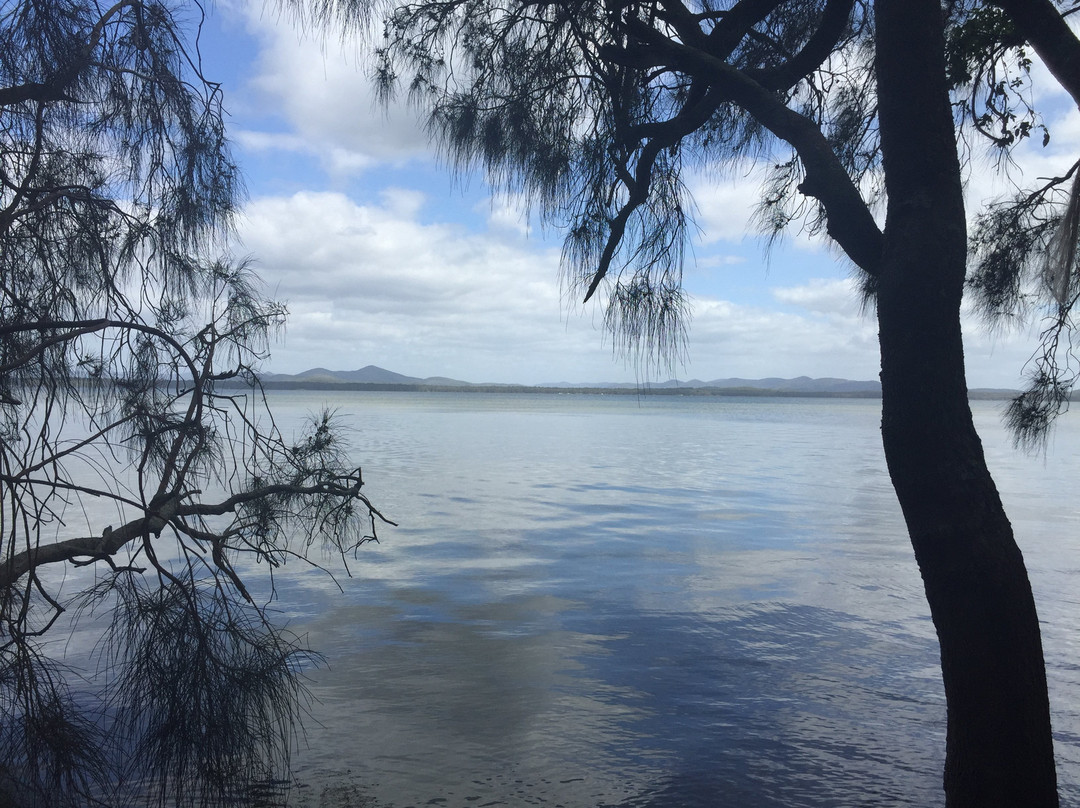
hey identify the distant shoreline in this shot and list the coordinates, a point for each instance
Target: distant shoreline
(645, 390)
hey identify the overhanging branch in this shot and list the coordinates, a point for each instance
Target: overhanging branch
(160, 513)
(108, 544)
(661, 135)
(849, 221)
(33, 91)
(73, 329)
(56, 88)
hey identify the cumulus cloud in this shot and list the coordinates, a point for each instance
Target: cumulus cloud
(371, 284)
(821, 332)
(832, 327)
(321, 86)
(836, 297)
(323, 246)
(730, 340)
(508, 211)
(724, 205)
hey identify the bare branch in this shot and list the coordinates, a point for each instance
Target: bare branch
(109, 543)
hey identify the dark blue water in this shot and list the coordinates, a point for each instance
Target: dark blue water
(613, 601)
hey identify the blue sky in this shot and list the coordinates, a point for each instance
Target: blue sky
(384, 259)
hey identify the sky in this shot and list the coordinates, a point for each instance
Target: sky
(384, 258)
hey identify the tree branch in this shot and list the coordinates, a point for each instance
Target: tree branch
(159, 513)
(1041, 24)
(736, 24)
(33, 91)
(109, 543)
(236, 500)
(821, 44)
(56, 89)
(79, 328)
(848, 219)
(661, 135)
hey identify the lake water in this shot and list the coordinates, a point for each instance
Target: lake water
(648, 601)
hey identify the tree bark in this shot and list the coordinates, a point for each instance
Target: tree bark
(999, 750)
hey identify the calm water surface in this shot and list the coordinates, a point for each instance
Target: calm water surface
(648, 601)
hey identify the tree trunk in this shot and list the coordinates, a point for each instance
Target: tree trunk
(999, 750)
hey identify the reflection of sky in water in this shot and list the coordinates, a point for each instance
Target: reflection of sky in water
(657, 602)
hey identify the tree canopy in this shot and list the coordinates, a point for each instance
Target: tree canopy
(595, 112)
(128, 344)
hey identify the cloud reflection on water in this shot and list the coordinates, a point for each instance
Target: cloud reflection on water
(673, 603)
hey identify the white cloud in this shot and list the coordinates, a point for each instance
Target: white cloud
(834, 328)
(752, 342)
(369, 284)
(270, 141)
(322, 86)
(718, 261)
(725, 205)
(323, 246)
(403, 203)
(509, 212)
(837, 297)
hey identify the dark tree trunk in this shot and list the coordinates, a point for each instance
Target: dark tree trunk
(999, 749)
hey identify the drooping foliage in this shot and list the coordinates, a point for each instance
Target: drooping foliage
(139, 464)
(596, 112)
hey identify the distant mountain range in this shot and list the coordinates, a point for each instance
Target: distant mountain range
(376, 378)
(367, 375)
(373, 375)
